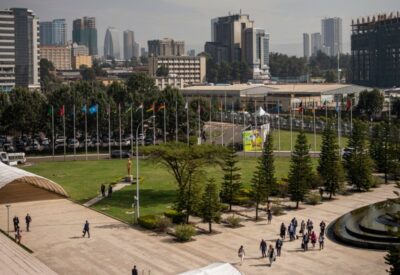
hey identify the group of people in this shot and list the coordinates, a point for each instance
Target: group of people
(17, 228)
(103, 190)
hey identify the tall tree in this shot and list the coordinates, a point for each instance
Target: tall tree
(268, 167)
(330, 166)
(210, 204)
(358, 163)
(371, 102)
(231, 183)
(258, 192)
(380, 149)
(300, 170)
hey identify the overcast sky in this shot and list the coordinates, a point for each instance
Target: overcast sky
(189, 20)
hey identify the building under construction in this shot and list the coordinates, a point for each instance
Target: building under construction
(375, 50)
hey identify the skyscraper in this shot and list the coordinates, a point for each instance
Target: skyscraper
(59, 29)
(331, 29)
(84, 32)
(129, 42)
(136, 48)
(19, 60)
(166, 47)
(306, 45)
(111, 44)
(316, 43)
(46, 33)
(255, 49)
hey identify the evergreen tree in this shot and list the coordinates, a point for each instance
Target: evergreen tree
(210, 204)
(267, 164)
(257, 187)
(380, 148)
(232, 178)
(330, 166)
(393, 259)
(358, 163)
(394, 152)
(300, 170)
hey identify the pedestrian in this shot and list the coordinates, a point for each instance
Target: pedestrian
(305, 242)
(271, 254)
(294, 222)
(16, 223)
(18, 235)
(321, 193)
(310, 226)
(322, 226)
(302, 227)
(241, 254)
(269, 216)
(110, 190)
(290, 231)
(283, 231)
(28, 220)
(134, 270)
(321, 240)
(313, 239)
(103, 190)
(278, 246)
(263, 248)
(86, 229)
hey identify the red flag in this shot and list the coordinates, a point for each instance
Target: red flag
(349, 103)
(301, 109)
(62, 111)
(162, 106)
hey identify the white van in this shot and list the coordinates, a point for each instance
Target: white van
(12, 158)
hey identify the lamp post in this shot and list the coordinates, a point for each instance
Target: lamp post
(137, 213)
(8, 218)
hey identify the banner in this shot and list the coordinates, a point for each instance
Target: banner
(252, 141)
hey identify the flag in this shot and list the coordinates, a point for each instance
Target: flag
(186, 105)
(162, 106)
(140, 107)
(84, 108)
(50, 111)
(337, 106)
(349, 104)
(220, 106)
(278, 108)
(151, 109)
(324, 104)
(301, 109)
(313, 107)
(62, 110)
(93, 109)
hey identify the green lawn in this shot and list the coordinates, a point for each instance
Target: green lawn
(82, 180)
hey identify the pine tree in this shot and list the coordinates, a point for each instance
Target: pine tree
(358, 163)
(210, 204)
(330, 166)
(300, 170)
(258, 191)
(267, 163)
(380, 148)
(232, 178)
(393, 259)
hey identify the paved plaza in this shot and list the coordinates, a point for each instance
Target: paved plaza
(114, 247)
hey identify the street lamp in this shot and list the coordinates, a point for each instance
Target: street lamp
(8, 218)
(137, 212)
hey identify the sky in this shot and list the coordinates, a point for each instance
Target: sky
(189, 20)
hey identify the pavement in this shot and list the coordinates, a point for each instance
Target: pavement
(115, 188)
(114, 247)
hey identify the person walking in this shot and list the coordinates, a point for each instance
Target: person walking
(305, 242)
(110, 190)
(310, 226)
(294, 222)
(241, 254)
(278, 246)
(103, 190)
(269, 216)
(16, 223)
(321, 241)
(271, 254)
(313, 239)
(322, 226)
(263, 248)
(321, 192)
(134, 270)
(28, 220)
(18, 235)
(302, 227)
(86, 229)
(283, 231)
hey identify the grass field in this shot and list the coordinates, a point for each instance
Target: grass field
(82, 180)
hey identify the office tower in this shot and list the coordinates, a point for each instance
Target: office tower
(316, 43)
(84, 32)
(306, 45)
(59, 29)
(266, 49)
(143, 51)
(111, 44)
(136, 48)
(131, 48)
(375, 50)
(60, 56)
(226, 37)
(166, 47)
(331, 29)
(19, 58)
(46, 33)
(255, 52)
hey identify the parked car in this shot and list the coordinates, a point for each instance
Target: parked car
(73, 143)
(119, 153)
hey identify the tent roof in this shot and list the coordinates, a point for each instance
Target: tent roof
(214, 269)
(9, 174)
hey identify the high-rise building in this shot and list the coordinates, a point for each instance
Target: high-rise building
(331, 30)
(59, 28)
(84, 32)
(60, 56)
(19, 54)
(375, 51)
(316, 43)
(306, 45)
(143, 51)
(46, 33)
(166, 47)
(129, 42)
(226, 37)
(111, 44)
(136, 48)
(255, 52)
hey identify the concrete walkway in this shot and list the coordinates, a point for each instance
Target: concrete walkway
(95, 200)
(114, 247)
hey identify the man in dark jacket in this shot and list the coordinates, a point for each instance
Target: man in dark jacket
(278, 246)
(28, 220)
(134, 270)
(103, 190)
(16, 223)
(263, 248)
(86, 230)
(110, 190)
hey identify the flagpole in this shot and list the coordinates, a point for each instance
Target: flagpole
(187, 122)
(351, 116)
(120, 135)
(97, 132)
(165, 127)
(132, 129)
(233, 127)
(52, 128)
(198, 113)
(109, 130)
(279, 128)
(315, 130)
(65, 138)
(74, 135)
(291, 128)
(255, 119)
(176, 120)
(338, 103)
(326, 111)
(86, 153)
(154, 124)
(142, 127)
(211, 139)
(222, 126)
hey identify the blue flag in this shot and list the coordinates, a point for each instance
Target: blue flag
(93, 109)
(84, 108)
(337, 106)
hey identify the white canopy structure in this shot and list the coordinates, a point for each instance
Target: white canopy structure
(261, 112)
(13, 180)
(215, 269)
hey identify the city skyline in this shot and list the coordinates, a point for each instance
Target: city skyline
(190, 20)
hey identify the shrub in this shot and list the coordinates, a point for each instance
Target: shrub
(184, 232)
(233, 221)
(175, 216)
(313, 199)
(316, 181)
(283, 188)
(277, 210)
(148, 221)
(376, 181)
(224, 207)
(243, 198)
(162, 224)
